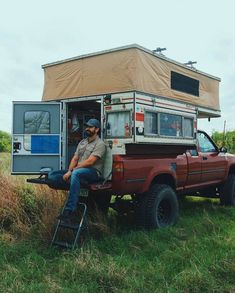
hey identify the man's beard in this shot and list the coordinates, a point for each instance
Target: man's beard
(90, 133)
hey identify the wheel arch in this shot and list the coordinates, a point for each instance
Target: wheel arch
(164, 178)
(231, 169)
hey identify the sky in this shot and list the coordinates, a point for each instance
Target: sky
(33, 33)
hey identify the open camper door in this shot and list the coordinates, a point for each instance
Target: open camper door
(36, 137)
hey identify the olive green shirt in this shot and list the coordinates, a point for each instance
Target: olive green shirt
(95, 148)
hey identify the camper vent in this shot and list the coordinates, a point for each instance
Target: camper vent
(184, 84)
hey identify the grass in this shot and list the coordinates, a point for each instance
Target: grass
(196, 255)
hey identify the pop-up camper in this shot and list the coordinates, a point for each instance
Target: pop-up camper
(141, 99)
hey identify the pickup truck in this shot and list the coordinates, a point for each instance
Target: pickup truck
(156, 176)
(155, 180)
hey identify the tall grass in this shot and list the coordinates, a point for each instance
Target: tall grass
(25, 207)
(196, 255)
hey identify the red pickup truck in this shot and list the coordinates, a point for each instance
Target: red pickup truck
(154, 176)
(156, 179)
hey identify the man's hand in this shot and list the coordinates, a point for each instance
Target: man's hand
(67, 175)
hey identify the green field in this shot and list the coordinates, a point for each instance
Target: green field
(196, 255)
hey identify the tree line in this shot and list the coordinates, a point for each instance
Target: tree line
(225, 139)
(221, 139)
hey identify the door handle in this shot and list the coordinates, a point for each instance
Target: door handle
(204, 158)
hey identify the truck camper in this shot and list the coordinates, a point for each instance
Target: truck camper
(141, 99)
(148, 106)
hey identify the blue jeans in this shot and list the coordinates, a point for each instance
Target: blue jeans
(79, 176)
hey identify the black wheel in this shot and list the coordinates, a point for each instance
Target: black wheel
(158, 208)
(227, 194)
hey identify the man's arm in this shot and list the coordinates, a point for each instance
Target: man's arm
(72, 165)
(87, 163)
(75, 165)
(73, 162)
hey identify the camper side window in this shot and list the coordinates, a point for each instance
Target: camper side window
(170, 124)
(150, 123)
(118, 124)
(188, 127)
(36, 122)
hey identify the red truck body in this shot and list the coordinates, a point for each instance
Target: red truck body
(154, 175)
(192, 170)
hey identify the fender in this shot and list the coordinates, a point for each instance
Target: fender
(161, 174)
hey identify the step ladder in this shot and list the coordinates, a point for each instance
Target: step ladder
(75, 228)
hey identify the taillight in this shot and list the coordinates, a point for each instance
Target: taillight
(118, 169)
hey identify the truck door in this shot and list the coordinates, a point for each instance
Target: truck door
(36, 137)
(214, 163)
(194, 168)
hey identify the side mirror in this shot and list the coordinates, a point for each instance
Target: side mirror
(223, 149)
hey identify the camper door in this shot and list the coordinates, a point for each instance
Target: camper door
(36, 137)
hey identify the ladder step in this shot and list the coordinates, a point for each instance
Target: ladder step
(63, 244)
(69, 226)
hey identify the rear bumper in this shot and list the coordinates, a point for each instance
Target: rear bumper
(43, 179)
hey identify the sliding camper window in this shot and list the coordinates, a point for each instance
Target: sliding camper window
(118, 124)
(188, 127)
(150, 123)
(170, 124)
(36, 122)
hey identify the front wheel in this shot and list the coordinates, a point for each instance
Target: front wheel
(158, 208)
(227, 194)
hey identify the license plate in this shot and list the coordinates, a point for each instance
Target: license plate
(84, 192)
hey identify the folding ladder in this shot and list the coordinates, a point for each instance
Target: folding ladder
(75, 227)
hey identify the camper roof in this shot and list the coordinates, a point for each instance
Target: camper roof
(131, 46)
(127, 69)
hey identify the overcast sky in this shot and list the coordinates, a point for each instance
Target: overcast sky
(33, 33)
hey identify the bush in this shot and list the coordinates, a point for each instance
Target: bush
(227, 140)
(5, 142)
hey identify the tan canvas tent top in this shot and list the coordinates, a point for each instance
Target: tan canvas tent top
(129, 68)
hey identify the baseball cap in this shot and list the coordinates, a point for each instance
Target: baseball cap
(93, 123)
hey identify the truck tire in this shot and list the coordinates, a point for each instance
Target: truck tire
(158, 208)
(227, 195)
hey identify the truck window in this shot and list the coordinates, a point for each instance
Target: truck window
(188, 127)
(150, 123)
(170, 124)
(36, 122)
(118, 124)
(205, 144)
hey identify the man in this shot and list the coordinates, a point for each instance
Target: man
(85, 166)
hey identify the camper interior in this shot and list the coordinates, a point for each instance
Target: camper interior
(78, 114)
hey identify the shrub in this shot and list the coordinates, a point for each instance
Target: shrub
(5, 141)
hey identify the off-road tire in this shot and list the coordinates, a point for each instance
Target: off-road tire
(227, 194)
(158, 208)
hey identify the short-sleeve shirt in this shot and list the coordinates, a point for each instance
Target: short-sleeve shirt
(95, 148)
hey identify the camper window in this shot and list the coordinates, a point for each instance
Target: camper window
(188, 127)
(150, 123)
(36, 122)
(118, 124)
(184, 84)
(170, 125)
